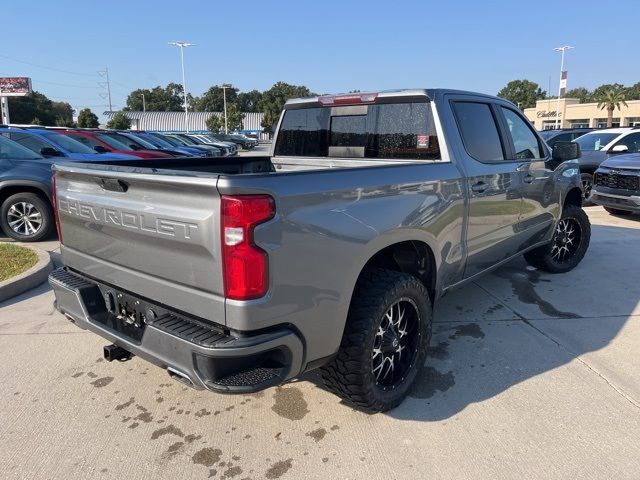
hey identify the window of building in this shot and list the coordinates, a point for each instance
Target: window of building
(602, 123)
(479, 131)
(582, 123)
(632, 121)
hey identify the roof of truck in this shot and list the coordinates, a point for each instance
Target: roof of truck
(371, 97)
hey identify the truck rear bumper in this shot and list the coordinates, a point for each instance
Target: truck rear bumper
(197, 353)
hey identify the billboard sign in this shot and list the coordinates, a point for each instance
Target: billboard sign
(15, 86)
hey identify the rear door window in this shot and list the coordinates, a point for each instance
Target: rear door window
(384, 131)
(479, 131)
(32, 142)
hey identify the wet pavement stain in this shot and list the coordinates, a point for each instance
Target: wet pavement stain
(146, 417)
(207, 456)
(290, 403)
(493, 309)
(134, 425)
(125, 404)
(192, 438)
(168, 430)
(102, 382)
(522, 285)
(174, 449)
(430, 381)
(91, 375)
(439, 351)
(76, 375)
(468, 330)
(317, 434)
(335, 427)
(202, 412)
(232, 472)
(279, 468)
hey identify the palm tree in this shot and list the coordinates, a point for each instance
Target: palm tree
(611, 99)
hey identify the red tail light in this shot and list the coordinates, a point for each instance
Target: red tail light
(54, 197)
(245, 266)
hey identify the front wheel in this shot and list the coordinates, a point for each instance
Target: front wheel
(615, 211)
(587, 186)
(384, 343)
(568, 245)
(26, 217)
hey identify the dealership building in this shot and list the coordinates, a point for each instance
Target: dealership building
(573, 114)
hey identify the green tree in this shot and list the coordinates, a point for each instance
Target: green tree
(215, 123)
(32, 106)
(248, 101)
(63, 113)
(156, 99)
(611, 98)
(274, 99)
(119, 121)
(523, 93)
(213, 99)
(633, 92)
(87, 119)
(598, 92)
(580, 93)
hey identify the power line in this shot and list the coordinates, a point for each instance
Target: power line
(47, 68)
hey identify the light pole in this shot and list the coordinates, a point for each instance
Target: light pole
(182, 46)
(560, 49)
(224, 87)
(144, 105)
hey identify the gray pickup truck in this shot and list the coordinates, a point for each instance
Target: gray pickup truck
(241, 273)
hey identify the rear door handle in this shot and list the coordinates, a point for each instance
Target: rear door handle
(528, 179)
(479, 187)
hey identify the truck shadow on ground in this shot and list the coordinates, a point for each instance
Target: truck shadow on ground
(503, 330)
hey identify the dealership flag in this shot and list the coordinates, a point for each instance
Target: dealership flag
(563, 83)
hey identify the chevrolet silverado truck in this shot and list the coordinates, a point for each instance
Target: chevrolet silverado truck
(241, 273)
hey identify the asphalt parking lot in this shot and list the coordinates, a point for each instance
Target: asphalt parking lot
(531, 375)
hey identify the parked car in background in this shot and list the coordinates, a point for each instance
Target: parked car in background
(191, 142)
(239, 139)
(599, 145)
(51, 144)
(196, 150)
(162, 143)
(616, 184)
(102, 143)
(563, 134)
(230, 148)
(135, 143)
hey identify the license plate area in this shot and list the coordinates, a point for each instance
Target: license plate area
(126, 314)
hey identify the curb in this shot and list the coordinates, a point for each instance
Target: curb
(33, 277)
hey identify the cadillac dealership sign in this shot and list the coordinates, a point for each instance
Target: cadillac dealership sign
(547, 114)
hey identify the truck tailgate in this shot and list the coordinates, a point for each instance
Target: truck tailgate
(155, 235)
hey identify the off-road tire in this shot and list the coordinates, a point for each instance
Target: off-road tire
(543, 257)
(615, 211)
(349, 375)
(41, 205)
(587, 185)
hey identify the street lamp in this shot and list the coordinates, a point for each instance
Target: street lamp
(144, 106)
(560, 49)
(224, 87)
(182, 46)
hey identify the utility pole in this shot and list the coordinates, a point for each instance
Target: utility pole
(224, 99)
(560, 49)
(4, 106)
(144, 105)
(182, 46)
(105, 74)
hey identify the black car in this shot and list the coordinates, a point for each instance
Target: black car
(563, 135)
(240, 140)
(617, 184)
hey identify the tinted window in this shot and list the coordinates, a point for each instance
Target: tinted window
(68, 143)
(32, 142)
(632, 141)
(479, 131)
(14, 150)
(563, 137)
(595, 141)
(524, 140)
(393, 131)
(88, 141)
(112, 142)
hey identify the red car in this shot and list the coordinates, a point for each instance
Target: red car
(103, 142)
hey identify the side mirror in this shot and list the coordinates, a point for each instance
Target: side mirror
(100, 149)
(618, 149)
(50, 152)
(563, 151)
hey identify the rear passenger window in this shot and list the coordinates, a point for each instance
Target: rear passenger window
(524, 140)
(479, 131)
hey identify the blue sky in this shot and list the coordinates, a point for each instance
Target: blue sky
(329, 46)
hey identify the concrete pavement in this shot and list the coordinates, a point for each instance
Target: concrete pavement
(530, 376)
